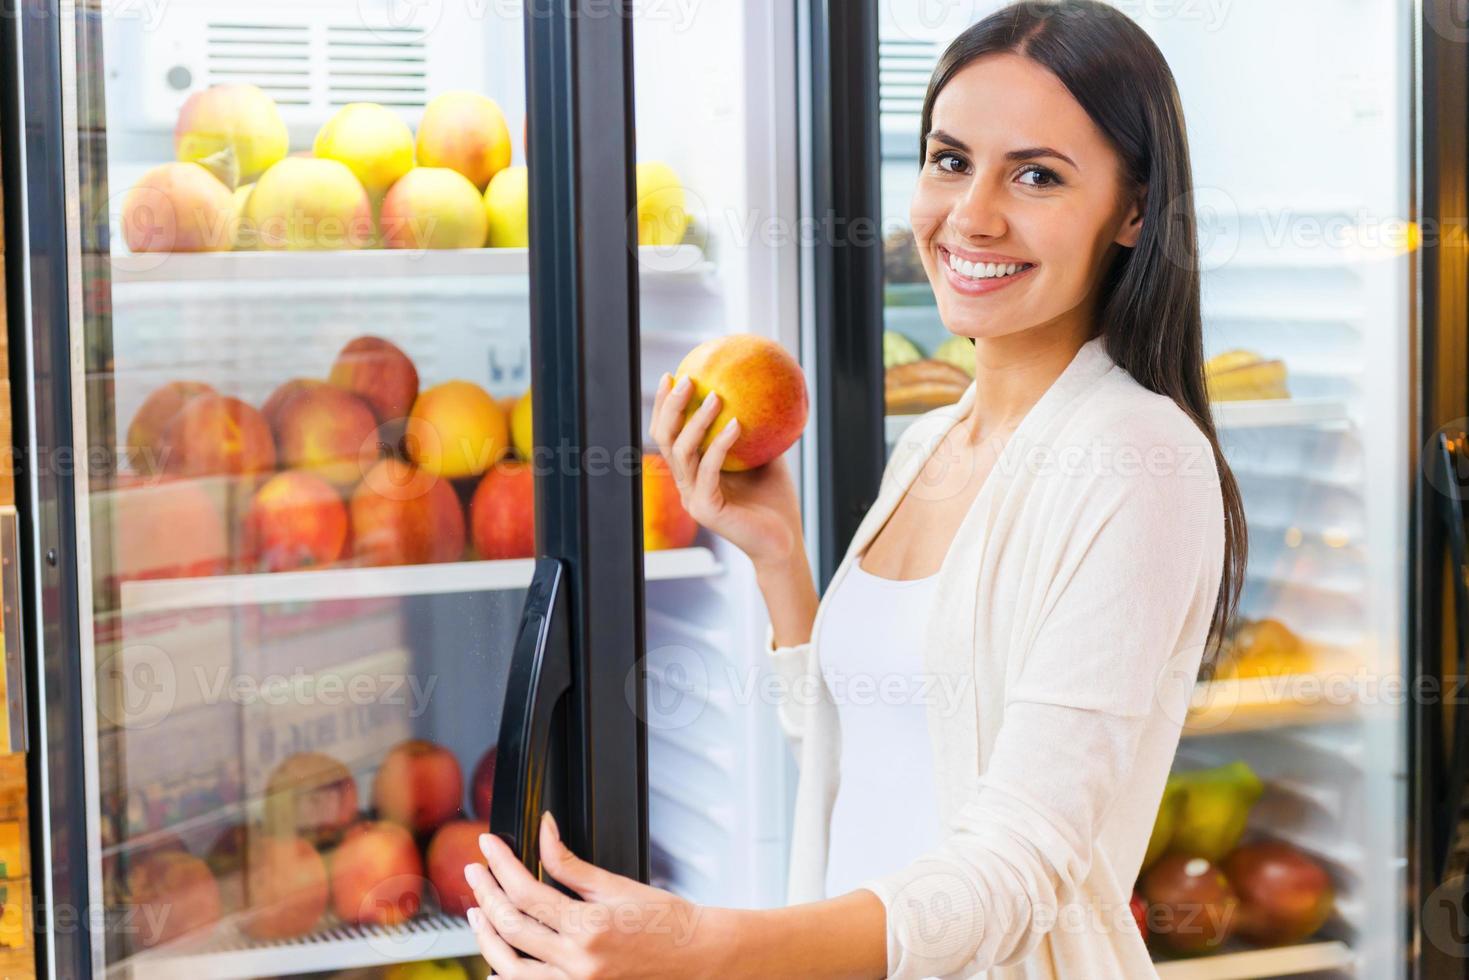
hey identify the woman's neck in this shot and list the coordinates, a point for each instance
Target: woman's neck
(1013, 371)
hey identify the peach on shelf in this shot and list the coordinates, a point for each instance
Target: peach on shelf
(666, 524)
(178, 207)
(309, 204)
(218, 434)
(145, 433)
(378, 372)
(238, 118)
(402, 514)
(328, 431)
(418, 785)
(433, 207)
(376, 875)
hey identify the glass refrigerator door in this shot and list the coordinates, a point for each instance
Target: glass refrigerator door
(355, 516)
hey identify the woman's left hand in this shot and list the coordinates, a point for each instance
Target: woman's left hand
(619, 928)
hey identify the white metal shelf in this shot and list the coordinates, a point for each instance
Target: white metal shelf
(230, 955)
(163, 595)
(1257, 964)
(655, 262)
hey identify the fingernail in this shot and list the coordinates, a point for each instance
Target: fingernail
(664, 379)
(683, 384)
(484, 844)
(476, 917)
(475, 874)
(732, 423)
(551, 821)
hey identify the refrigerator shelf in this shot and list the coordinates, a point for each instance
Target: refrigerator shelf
(348, 265)
(1261, 963)
(165, 595)
(1224, 707)
(1265, 413)
(230, 955)
(1274, 412)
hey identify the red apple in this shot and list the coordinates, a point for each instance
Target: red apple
(404, 515)
(297, 520)
(287, 888)
(419, 785)
(379, 373)
(1191, 906)
(376, 875)
(502, 511)
(282, 396)
(1284, 896)
(329, 431)
(145, 432)
(218, 434)
(454, 845)
(482, 785)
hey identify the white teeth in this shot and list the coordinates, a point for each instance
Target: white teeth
(983, 270)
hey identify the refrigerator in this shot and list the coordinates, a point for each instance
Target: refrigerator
(412, 642)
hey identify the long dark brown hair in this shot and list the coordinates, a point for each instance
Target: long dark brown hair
(1149, 314)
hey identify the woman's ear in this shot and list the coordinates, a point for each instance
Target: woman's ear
(1132, 226)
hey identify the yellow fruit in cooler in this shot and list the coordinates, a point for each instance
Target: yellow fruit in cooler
(306, 203)
(521, 432)
(240, 233)
(432, 207)
(662, 218)
(240, 118)
(507, 207)
(465, 131)
(1240, 375)
(1216, 807)
(371, 140)
(456, 429)
(426, 970)
(1265, 648)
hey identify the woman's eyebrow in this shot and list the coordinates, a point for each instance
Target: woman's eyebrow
(1027, 153)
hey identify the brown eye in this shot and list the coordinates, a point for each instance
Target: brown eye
(940, 156)
(1051, 178)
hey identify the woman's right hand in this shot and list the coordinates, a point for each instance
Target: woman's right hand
(757, 510)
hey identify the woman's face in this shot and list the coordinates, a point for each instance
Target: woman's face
(1015, 171)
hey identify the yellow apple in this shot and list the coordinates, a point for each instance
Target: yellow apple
(662, 218)
(371, 140)
(507, 206)
(464, 131)
(238, 117)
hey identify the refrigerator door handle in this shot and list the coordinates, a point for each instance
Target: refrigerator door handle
(540, 678)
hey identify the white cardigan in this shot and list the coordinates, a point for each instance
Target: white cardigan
(1076, 602)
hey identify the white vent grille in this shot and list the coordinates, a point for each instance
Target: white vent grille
(384, 65)
(903, 70)
(275, 57)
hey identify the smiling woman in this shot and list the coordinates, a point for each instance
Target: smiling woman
(1058, 550)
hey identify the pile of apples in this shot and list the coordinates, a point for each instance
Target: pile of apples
(360, 468)
(1202, 884)
(368, 181)
(316, 854)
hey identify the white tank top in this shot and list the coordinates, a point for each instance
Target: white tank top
(886, 809)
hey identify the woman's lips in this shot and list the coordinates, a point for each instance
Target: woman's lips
(976, 287)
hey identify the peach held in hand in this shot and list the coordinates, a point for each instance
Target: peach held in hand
(760, 384)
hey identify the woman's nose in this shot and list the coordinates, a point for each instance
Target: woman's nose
(978, 213)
